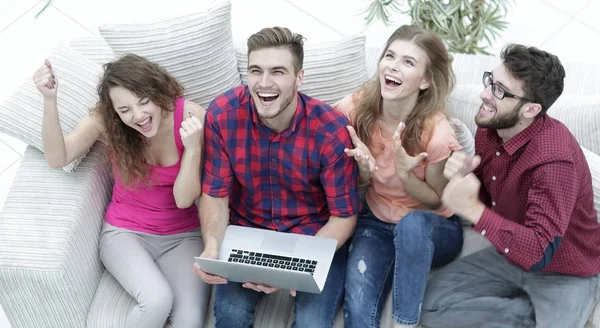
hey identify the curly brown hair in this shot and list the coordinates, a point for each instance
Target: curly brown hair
(144, 79)
(429, 102)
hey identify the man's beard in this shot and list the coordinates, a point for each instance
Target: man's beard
(284, 104)
(506, 121)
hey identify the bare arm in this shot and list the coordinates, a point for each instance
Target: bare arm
(428, 192)
(338, 228)
(214, 218)
(187, 184)
(60, 150)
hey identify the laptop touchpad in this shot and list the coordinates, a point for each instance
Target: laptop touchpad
(280, 242)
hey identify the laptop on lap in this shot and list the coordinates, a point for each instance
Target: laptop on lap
(277, 259)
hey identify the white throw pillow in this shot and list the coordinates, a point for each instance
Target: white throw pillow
(581, 114)
(332, 70)
(21, 115)
(464, 136)
(93, 48)
(593, 161)
(196, 49)
(463, 104)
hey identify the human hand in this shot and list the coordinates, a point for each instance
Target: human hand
(264, 288)
(461, 196)
(361, 153)
(403, 162)
(207, 277)
(191, 133)
(45, 80)
(460, 164)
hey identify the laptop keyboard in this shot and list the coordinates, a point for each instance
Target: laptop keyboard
(273, 261)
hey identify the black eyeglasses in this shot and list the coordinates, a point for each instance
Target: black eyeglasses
(497, 90)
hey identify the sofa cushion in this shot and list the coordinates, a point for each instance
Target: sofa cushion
(594, 164)
(21, 115)
(332, 70)
(593, 161)
(93, 48)
(464, 136)
(580, 114)
(111, 306)
(196, 49)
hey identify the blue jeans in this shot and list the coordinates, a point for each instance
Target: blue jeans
(234, 305)
(384, 256)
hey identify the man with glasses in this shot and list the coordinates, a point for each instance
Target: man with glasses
(529, 192)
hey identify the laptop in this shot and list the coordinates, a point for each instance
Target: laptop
(276, 259)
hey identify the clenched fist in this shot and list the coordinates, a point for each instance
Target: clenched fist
(191, 133)
(45, 80)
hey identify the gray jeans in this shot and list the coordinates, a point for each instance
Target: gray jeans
(157, 272)
(485, 290)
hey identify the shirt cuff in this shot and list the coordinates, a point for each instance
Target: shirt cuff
(489, 226)
(216, 186)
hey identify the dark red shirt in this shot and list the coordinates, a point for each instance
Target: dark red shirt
(289, 181)
(538, 189)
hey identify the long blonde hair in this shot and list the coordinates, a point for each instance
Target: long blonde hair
(430, 101)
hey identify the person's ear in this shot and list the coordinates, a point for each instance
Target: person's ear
(531, 110)
(300, 78)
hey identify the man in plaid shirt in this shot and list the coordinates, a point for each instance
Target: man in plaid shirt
(529, 192)
(275, 160)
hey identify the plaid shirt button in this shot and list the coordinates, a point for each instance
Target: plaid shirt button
(483, 232)
(506, 250)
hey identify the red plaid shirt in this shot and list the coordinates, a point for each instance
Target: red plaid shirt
(291, 181)
(538, 189)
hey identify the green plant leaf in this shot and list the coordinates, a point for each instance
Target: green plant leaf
(44, 8)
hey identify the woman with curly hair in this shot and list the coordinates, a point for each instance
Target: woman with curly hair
(151, 229)
(402, 140)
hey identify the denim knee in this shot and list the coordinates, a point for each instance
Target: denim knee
(234, 306)
(414, 223)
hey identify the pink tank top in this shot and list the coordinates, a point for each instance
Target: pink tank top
(152, 209)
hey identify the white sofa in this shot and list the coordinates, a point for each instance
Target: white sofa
(50, 271)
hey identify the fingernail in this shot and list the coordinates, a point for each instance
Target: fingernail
(401, 124)
(346, 150)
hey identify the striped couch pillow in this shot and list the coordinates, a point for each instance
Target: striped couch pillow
(196, 49)
(21, 115)
(332, 70)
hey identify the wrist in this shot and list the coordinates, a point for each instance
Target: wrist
(404, 176)
(364, 175)
(474, 212)
(192, 151)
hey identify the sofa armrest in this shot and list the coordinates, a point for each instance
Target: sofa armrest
(49, 231)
